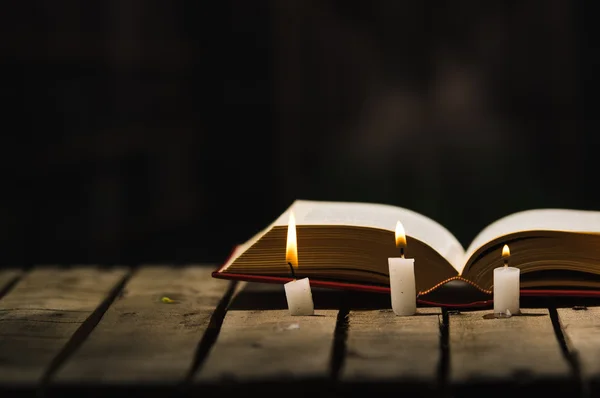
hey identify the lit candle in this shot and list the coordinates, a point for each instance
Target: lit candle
(402, 278)
(506, 288)
(297, 292)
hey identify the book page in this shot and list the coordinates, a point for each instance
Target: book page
(538, 219)
(239, 249)
(378, 216)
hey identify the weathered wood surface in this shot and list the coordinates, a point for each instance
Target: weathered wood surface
(7, 277)
(145, 338)
(381, 346)
(58, 330)
(582, 333)
(521, 349)
(271, 345)
(40, 315)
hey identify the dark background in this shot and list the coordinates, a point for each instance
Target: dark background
(168, 131)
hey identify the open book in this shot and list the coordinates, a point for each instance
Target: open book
(347, 245)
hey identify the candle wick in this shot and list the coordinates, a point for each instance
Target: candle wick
(292, 270)
(401, 252)
(506, 263)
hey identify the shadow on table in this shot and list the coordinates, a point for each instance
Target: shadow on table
(264, 296)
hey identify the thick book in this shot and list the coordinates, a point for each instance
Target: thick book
(346, 245)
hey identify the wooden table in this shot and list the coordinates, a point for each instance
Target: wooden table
(175, 331)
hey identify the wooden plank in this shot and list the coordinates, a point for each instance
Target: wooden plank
(143, 337)
(271, 345)
(7, 277)
(384, 347)
(517, 351)
(42, 312)
(580, 328)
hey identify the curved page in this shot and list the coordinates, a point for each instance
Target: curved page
(378, 216)
(583, 221)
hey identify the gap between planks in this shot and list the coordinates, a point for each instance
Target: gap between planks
(502, 355)
(43, 312)
(580, 327)
(84, 330)
(260, 342)
(388, 353)
(155, 334)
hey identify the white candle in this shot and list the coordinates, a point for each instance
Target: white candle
(297, 292)
(402, 285)
(402, 278)
(299, 297)
(506, 288)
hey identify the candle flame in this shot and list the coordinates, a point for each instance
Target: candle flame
(400, 235)
(291, 249)
(505, 251)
